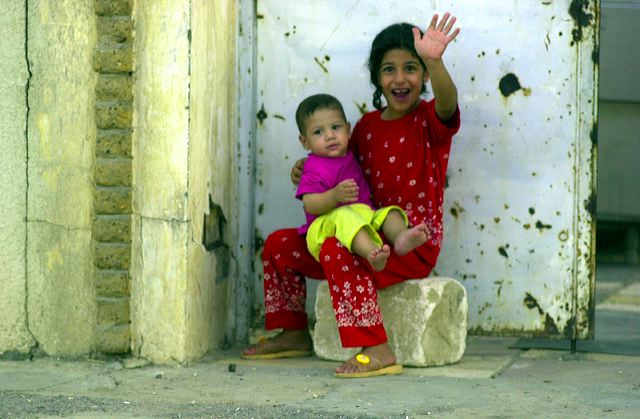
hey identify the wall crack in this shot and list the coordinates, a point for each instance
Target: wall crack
(26, 135)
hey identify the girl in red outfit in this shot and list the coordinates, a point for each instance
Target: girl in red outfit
(403, 149)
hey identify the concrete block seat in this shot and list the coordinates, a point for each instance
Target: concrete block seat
(425, 320)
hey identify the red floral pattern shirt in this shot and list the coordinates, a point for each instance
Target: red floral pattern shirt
(405, 162)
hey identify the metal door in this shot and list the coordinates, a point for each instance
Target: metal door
(519, 227)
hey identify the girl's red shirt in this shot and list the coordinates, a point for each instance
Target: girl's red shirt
(405, 163)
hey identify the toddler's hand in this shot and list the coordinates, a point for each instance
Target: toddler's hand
(346, 191)
(431, 46)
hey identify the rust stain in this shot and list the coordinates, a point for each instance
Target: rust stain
(456, 209)
(531, 303)
(321, 64)
(262, 114)
(594, 134)
(503, 251)
(362, 108)
(590, 204)
(484, 307)
(550, 325)
(258, 241)
(547, 42)
(541, 226)
(291, 32)
(563, 236)
(570, 328)
(509, 84)
(578, 10)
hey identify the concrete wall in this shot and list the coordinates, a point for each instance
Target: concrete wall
(180, 119)
(14, 332)
(61, 141)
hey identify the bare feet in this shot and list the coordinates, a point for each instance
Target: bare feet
(381, 353)
(378, 257)
(287, 343)
(410, 239)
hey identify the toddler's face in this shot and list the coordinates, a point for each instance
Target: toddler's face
(326, 133)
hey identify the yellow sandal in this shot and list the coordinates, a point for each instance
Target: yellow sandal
(380, 370)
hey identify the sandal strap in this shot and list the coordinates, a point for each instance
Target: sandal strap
(363, 359)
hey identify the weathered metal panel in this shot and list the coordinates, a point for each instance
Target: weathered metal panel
(243, 217)
(520, 194)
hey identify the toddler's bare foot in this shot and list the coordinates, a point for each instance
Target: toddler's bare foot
(378, 257)
(410, 239)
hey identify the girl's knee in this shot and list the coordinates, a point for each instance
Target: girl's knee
(329, 246)
(278, 239)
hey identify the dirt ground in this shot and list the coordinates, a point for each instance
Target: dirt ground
(492, 380)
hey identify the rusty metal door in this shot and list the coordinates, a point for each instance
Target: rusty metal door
(519, 222)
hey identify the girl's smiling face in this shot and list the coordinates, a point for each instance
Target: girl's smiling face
(401, 80)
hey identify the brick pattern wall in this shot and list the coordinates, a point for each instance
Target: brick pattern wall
(113, 61)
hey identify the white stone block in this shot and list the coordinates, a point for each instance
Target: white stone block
(425, 320)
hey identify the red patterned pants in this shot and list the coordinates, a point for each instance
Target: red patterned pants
(353, 286)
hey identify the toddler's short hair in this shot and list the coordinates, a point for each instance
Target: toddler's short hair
(314, 103)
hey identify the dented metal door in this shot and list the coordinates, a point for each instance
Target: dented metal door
(519, 226)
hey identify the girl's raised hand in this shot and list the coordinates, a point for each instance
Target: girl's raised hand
(433, 43)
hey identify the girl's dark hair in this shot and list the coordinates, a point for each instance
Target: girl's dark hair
(396, 36)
